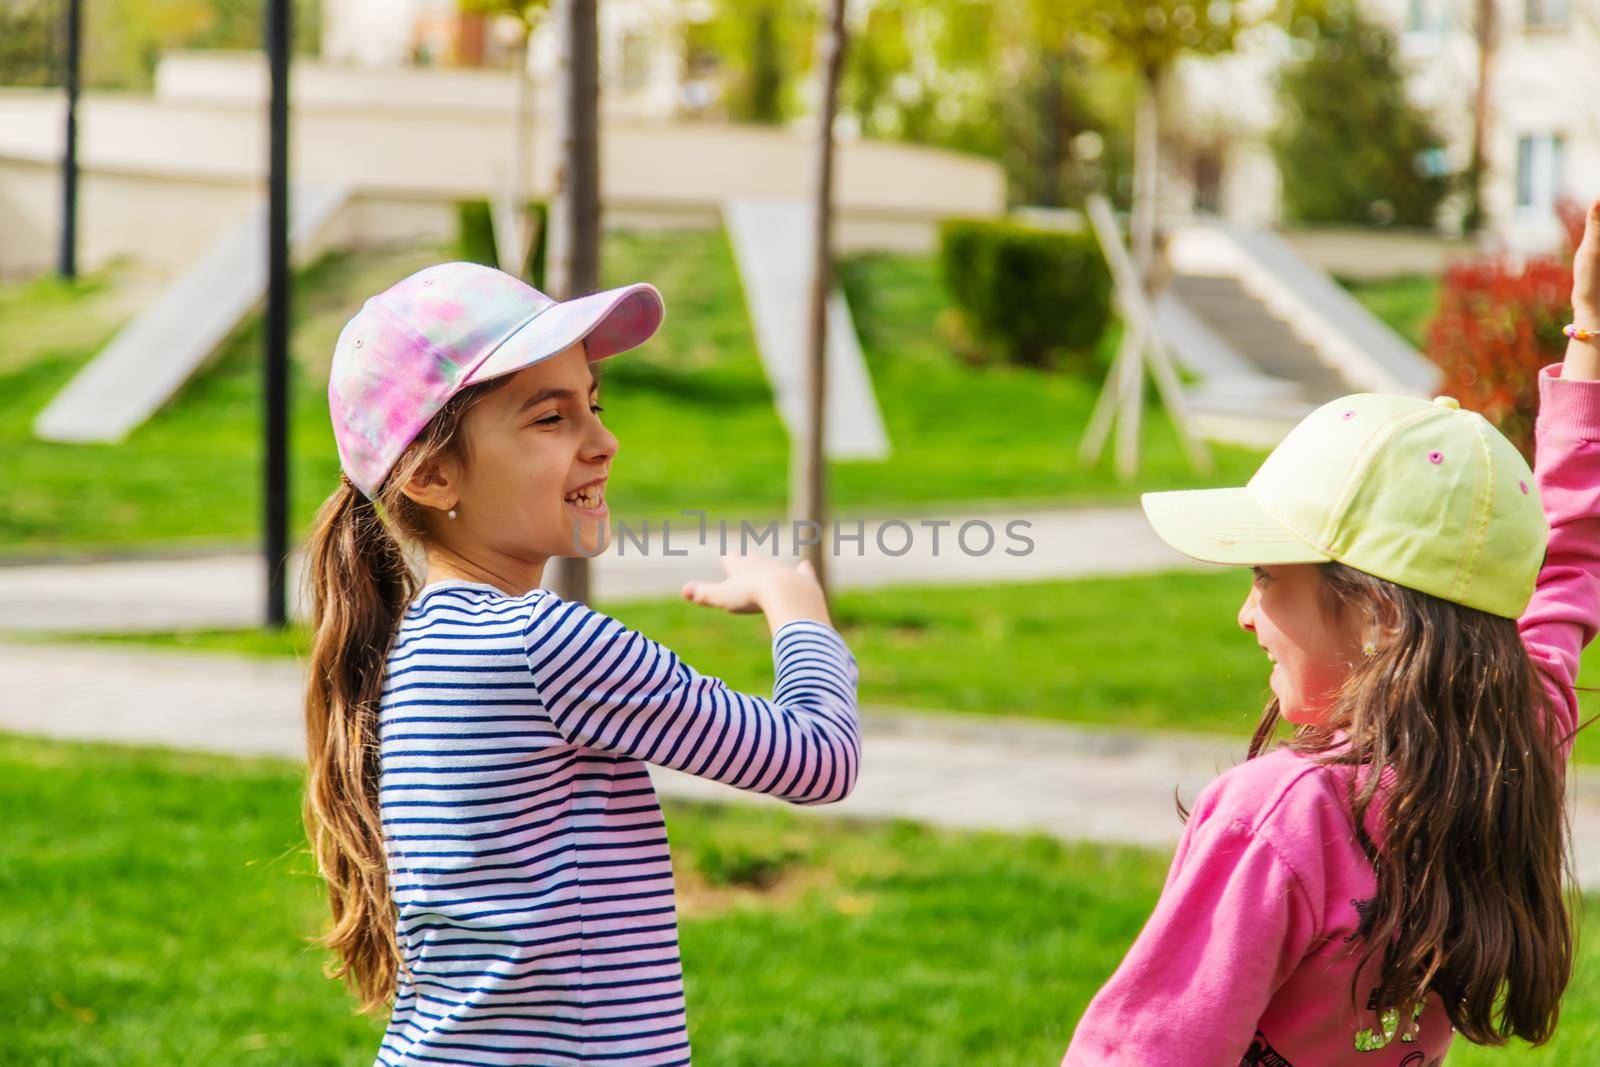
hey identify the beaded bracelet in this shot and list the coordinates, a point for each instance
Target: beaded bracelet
(1578, 333)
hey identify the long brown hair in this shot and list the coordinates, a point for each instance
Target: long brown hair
(1472, 849)
(359, 581)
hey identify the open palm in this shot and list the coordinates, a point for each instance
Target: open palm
(1586, 273)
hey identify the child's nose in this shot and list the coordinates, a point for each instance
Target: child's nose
(1247, 612)
(602, 443)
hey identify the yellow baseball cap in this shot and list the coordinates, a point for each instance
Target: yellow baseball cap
(1426, 495)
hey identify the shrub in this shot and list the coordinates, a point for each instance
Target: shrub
(1028, 296)
(1499, 321)
(475, 238)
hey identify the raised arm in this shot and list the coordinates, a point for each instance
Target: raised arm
(1564, 613)
(610, 688)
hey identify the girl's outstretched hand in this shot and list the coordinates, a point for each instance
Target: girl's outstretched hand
(756, 583)
(1586, 274)
(1583, 357)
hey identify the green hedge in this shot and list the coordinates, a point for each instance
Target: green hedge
(1029, 296)
(475, 238)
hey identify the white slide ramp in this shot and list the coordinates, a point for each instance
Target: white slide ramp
(772, 243)
(153, 355)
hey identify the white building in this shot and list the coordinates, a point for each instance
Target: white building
(1543, 129)
(649, 66)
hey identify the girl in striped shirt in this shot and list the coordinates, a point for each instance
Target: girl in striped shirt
(477, 796)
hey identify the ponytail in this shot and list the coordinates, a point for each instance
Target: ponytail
(359, 586)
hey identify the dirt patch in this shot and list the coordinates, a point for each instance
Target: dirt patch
(699, 898)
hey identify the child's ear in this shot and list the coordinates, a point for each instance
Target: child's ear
(433, 485)
(1388, 620)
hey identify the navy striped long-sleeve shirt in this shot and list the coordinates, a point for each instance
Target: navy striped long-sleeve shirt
(527, 855)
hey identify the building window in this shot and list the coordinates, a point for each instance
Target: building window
(1545, 14)
(1539, 173)
(1207, 174)
(1428, 17)
(636, 59)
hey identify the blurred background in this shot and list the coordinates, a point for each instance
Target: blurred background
(1079, 250)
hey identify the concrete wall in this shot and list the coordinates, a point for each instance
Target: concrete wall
(120, 213)
(1370, 255)
(162, 173)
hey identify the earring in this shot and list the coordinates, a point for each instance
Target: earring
(452, 513)
(1369, 649)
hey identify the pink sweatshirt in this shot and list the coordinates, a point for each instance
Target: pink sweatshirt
(1244, 960)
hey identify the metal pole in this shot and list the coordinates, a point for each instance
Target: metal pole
(276, 414)
(67, 263)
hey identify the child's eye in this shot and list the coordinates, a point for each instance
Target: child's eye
(548, 420)
(596, 408)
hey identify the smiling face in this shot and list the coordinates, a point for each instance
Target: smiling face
(532, 485)
(1311, 642)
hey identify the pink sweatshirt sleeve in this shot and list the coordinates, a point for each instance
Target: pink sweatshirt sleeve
(1565, 610)
(1232, 924)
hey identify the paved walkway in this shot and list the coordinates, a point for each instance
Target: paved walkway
(227, 590)
(1072, 783)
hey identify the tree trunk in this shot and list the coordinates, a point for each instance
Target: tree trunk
(513, 229)
(1486, 32)
(1146, 173)
(574, 241)
(1146, 195)
(1051, 119)
(809, 484)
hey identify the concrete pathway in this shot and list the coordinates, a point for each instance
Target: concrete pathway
(1072, 783)
(227, 590)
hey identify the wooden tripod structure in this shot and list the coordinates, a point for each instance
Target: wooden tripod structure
(1122, 396)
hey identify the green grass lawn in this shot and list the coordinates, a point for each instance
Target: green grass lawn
(157, 906)
(692, 409)
(1156, 651)
(1406, 303)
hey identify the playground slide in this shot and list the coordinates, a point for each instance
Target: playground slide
(153, 355)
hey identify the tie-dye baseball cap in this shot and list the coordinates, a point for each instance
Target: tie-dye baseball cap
(418, 343)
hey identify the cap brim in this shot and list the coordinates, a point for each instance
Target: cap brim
(608, 322)
(1225, 526)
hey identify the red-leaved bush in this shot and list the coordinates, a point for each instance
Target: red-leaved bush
(1499, 320)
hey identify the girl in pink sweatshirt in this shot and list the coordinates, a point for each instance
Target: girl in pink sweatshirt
(1393, 873)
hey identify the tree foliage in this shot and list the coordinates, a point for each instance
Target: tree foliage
(30, 42)
(992, 77)
(1152, 35)
(1351, 147)
(123, 39)
(764, 49)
